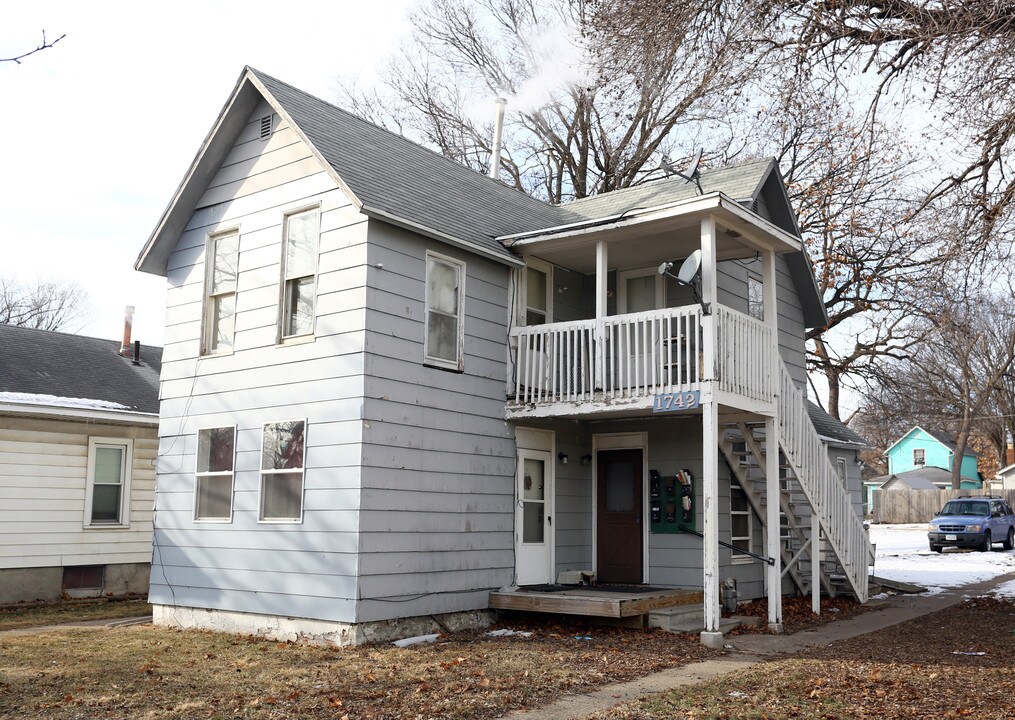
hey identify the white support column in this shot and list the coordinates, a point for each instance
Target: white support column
(772, 485)
(602, 275)
(815, 564)
(710, 636)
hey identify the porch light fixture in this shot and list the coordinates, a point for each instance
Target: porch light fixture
(688, 275)
(586, 460)
(562, 457)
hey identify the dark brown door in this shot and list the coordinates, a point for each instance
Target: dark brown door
(619, 518)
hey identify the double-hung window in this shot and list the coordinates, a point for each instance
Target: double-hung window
(223, 254)
(299, 273)
(538, 298)
(283, 447)
(741, 523)
(755, 298)
(107, 494)
(919, 457)
(213, 486)
(445, 292)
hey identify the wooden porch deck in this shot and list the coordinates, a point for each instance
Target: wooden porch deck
(593, 601)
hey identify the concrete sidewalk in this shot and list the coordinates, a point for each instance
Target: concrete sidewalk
(748, 650)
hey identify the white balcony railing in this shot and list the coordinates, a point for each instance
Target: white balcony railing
(643, 354)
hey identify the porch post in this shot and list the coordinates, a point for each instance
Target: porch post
(602, 273)
(710, 636)
(772, 489)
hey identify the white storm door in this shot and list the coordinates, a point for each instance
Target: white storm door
(534, 518)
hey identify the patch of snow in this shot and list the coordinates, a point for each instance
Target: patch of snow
(57, 401)
(1007, 590)
(507, 632)
(903, 554)
(419, 639)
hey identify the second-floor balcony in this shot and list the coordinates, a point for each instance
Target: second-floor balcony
(625, 362)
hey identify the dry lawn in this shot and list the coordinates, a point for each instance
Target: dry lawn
(16, 617)
(956, 663)
(153, 673)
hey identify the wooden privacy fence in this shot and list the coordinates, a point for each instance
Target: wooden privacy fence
(919, 506)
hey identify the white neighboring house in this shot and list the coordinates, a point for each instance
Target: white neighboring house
(78, 439)
(1005, 479)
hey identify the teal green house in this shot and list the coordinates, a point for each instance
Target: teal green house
(921, 448)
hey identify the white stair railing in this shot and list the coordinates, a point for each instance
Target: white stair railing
(820, 483)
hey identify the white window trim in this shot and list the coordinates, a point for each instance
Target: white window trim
(262, 472)
(284, 339)
(624, 275)
(924, 462)
(547, 269)
(752, 278)
(841, 462)
(128, 464)
(458, 364)
(735, 557)
(230, 473)
(209, 271)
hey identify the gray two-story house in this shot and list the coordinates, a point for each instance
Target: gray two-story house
(394, 389)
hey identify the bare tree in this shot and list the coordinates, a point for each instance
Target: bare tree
(579, 122)
(44, 304)
(44, 45)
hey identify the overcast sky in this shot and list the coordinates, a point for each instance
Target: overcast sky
(100, 129)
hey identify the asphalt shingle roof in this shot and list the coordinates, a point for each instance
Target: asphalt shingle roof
(920, 478)
(828, 427)
(948, 441)
(38, 362)
(393, 174)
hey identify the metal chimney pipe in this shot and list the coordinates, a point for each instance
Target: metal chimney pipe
(128, 320)
(498, 133)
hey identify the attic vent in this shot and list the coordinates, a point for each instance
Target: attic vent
(265, 127)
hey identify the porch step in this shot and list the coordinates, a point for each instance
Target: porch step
(686, 619)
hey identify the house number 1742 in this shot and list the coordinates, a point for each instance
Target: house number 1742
(669, 402)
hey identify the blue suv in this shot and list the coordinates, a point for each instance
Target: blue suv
(973, 522)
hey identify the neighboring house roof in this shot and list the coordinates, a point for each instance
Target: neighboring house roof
(925, 478)
(833, 431)
(400, 182)
(43, 369)
(944, 438)
(1006, 471)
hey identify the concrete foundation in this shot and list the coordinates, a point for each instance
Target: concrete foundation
(317, 632)
(46, 583)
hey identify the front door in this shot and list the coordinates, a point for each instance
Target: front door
(533, 520)
(619, 521)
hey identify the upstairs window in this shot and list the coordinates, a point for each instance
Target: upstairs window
(213, 489)
(755, 298)
(220, 292)
(538, 299)
(300, 273)
(919, 457)
(283, 447)
(107, 495)
(840, 470)
(444, 340)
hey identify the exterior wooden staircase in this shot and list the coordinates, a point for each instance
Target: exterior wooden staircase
(810, 491)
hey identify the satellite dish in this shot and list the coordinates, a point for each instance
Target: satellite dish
(692, 169)
(690, 268)
(691, 174)
(664, 267)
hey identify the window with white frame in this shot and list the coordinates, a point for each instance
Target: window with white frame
(445, 292)
(919, 457)
(840, 470)
(213, 483)
(299, 272)
(755, 298)
(741, 523)
(223, 253)
(107, 494)
(283, 446)
(538, 298)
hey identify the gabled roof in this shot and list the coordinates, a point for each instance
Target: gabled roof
(53, 369)
(402, 183)
(944, 438)
(833, 431)
(925, 478)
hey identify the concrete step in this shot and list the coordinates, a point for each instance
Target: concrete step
(686, 619)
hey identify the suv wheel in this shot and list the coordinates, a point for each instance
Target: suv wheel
(985, 547)
(1009, 542)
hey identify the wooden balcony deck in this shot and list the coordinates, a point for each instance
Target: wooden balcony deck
(594, 601)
